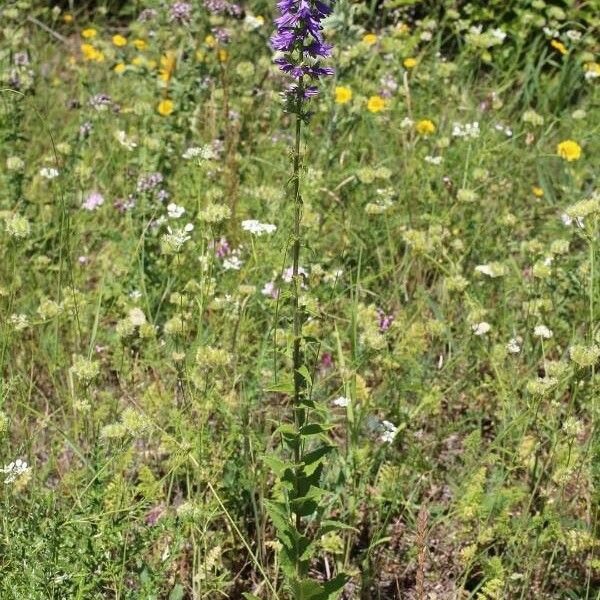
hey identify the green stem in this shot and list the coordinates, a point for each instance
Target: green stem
(297, 317)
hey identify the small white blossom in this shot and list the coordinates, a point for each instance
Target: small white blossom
(481, 328)
(389, 432)
(233, 262)
(541, 331)
(48, 172)
(14, 470)
(468, 130)
(499, 34)
(433, 160)
(125, 141)
(514, 345)
(174, 210)
(342, 401)
(574, 35)
(257, 228)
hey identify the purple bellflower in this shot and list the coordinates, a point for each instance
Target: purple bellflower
(299, 38)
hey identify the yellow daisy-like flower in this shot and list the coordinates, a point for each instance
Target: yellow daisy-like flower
(140, 44)
(200, 55)
(342, 94)
(569, 150)
(370, 39)
(223, 55)
(425, 127)
(67, 18)
(557, 45)
(165, 107)
(119, 40)
(538, 192)
(138, 61)
(410, 63)
(375, 104)
(91, 54)
(119, 68)
(89, 33)
(210, 41)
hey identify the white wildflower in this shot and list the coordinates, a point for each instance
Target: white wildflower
(541, 331)
(257, 228)
(48, 172)
(174, 210)
(433, 160)
(14, 470)
(481, 328)
(514, 345)
(125, 141)
(389, 432)
(342, 401)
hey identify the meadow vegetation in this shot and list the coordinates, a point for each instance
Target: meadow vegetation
(449, 304)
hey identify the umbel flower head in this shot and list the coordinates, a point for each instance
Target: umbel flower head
(299, 36)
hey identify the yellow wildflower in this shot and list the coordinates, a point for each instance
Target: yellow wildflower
(375, 104)
(569, 150)
(210, 41)
(67, 18)
(370, 39)
(410, 63)
(342, 94)
(91, 54)
(538, 192)
(425, 127)
(119, 40)
(138, 61)
(119, 68)
(557, 45)
(167, 66)
(89, 33)
(165, 107)
(223, 55)
(140, 44)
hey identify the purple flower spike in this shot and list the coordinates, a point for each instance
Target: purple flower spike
(299, 37)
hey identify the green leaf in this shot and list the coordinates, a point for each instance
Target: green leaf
(250, 596)
(303, 370)
(316, 455)
(313, 429)
(335, 585)
(278, 466)
(177, 592)
(330, 525)
(283, 387)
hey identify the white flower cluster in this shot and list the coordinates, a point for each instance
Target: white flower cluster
(14, 470)
(342, 401)
(174, 211)
(389, 432)
(257, 228)
(48, 172)
(233, 262)
(468, 130)
(205, 152)
(481, 328)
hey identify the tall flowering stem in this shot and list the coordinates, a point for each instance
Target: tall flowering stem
(300, 48)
